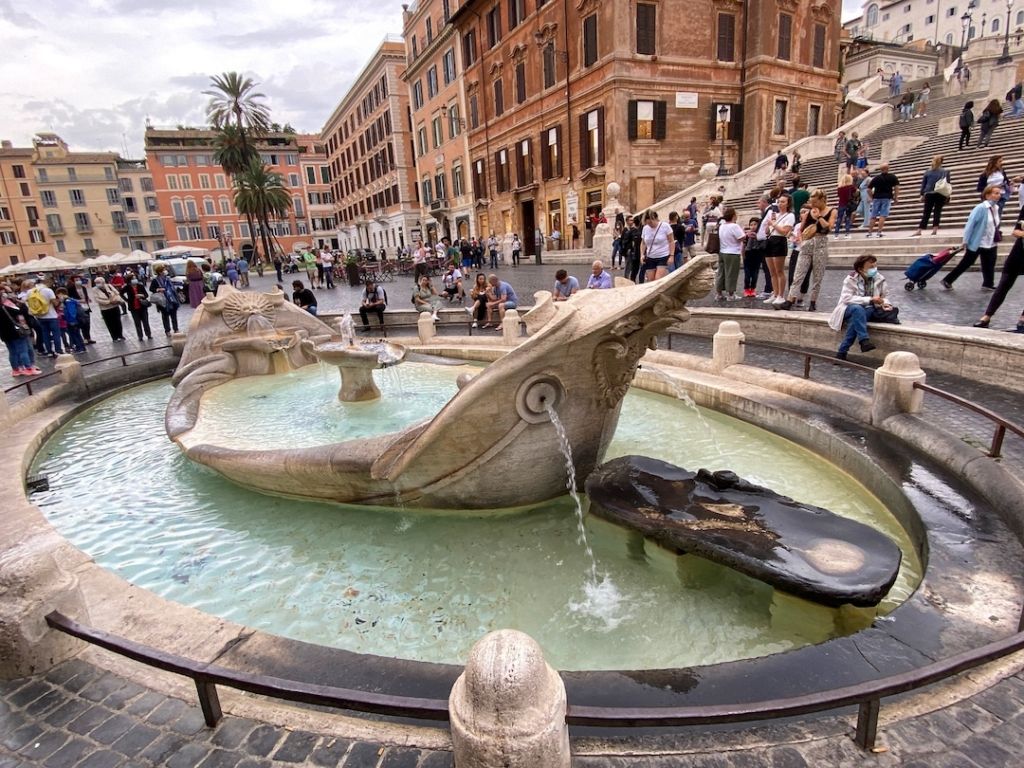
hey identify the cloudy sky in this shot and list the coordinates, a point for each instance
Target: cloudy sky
(94, 70)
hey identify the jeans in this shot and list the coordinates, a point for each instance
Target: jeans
(75, 340)
(364, 315)
(933, 204)
(19, 353)
(856, 320)
(141, 318)
(845, 214)
(51, 335)
(169, 317)
(988, 266)
(905, 111)
(752, 260)
(1018, 108)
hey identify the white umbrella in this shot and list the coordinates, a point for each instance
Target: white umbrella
(47, 264)
(140, 257)
(103, 261)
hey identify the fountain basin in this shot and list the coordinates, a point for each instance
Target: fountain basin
(355, 363)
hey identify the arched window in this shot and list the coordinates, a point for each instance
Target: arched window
(1020, 18)
(208, 208)
(995, 26)
(872, 15)
(949, 38)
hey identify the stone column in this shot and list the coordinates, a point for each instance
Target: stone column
(510, 328)
(728, 345)
(508, 707)
(70, 372)
(894, 387)
(425, 327)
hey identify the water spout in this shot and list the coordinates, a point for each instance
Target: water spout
(347, 329)
(681, 394)
(570, 483)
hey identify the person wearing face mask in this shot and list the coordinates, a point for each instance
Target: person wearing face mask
(137, 299)
(863, 300)
(110, 302)
(79, 291)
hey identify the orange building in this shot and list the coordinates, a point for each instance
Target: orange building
(317, 207)
(371, 159)
(196, 199)
(433, 78)
(22, 237)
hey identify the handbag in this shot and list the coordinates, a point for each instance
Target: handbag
(159, 300)
(890, 315)
(944, 188)
(712, 245)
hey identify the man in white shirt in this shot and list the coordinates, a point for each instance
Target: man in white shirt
(327, 259)
(452, 282)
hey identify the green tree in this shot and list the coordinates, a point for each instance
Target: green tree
(260, 193)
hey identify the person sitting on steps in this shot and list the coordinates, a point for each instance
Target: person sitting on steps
(862, 300)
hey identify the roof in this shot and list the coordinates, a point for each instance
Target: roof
(72, 158)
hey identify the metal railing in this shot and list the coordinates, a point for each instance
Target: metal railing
(123, 357)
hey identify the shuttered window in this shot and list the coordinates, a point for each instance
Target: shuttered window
(501, 175)
(590, 40)
(646, 15)
(592, 138)
(549, 65)
(726, 37)
(499, 98)
(785, 36)
(524, 163)
(647, 120)
(520, 82)
(480, 179)
(819, 46)
(551, 152)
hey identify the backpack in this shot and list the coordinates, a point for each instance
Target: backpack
(982, 182)
(38, 306)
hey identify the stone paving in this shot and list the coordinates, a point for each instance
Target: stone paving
(81, 715)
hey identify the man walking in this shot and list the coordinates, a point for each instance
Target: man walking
(884, 189)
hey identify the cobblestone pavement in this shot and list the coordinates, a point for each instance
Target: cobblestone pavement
(79, 715)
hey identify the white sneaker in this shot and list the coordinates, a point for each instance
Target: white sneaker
(779, 300)
(770, 300)
(848, 236)
(434, 317)
(475, 324)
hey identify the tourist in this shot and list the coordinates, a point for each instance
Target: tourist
(987, 122)
(816, 226)
(884, 189)
(575, 239)
(966, 122)
(480, 293)
(278, 267)
(303, 298)
(730, 240)
(137, 300)
(231, 270)
(165, 297)
(995, 176)
(1013, 98)
(799, 192)
(921, 101)
(503, 298)
(689, 246)
(630, 247)
(68, 317)
(196, 283)
(492, 248)
(862, 301)
(678, 233)
(79, 291)
(862, 180)
(565, 286)
(319, 262)
(620, 225)
(906, 107)
(847, 204)
(935, 191)
(466, 252)
(242, 265)
(309, 264)
(42, 304)
(425, 298)
(419, 261)
(852, 149)
(753, 251)
(556, 238)
(778, 227)
(517, 250)
(16, 334)
(657, 244)
(451, 283)
(374, 299)
(110, 303)
(599, 278)
(781, 164)
(979, 240)
(1012, 269)
(840, 146)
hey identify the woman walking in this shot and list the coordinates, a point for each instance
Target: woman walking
(934, 195)
(657, 244)
(137, 299)
(980, 240)
(110, 303)
(966, 121)
(196, 284)
(1012, 269)
(817, 225)
(995, 176)
(778, 229)
(987, 121)
(846, 206)
(168, 303)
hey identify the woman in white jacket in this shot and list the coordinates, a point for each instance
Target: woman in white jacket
(863, 300)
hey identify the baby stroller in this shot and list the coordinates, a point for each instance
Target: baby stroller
(926, 267)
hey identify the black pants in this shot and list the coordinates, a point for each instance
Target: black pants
(806, 283)
(141, 318)
(753, 258)
(364, 312)
(988, 266)
(933, 204)
(85, 324)
(632, 267)
(965, 139)
(112, 319)
(169, 317)
(1012, 269)
(480, 309)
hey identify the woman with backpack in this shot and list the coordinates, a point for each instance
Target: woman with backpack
(987, 121)
(935, 192)
(966, 121)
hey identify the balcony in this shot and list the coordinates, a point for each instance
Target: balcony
(56, 230)
(90, 252)
(440, 206)
(83, 229)
(380, 216)
(187, 218)
(120, 226)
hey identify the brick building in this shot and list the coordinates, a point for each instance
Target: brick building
(371, 158)
(564, 96)
(22, 235)
(196, 199)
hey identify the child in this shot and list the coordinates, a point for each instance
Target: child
(69, 317)
(752, 256)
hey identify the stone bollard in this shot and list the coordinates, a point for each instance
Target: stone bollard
(508, 707)
(5, 408)
(510, 329)
(178, 343)
(728, 345)
(70, 372)
(894, 387)
(425, 327)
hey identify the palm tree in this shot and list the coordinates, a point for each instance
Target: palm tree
(232, 153)
(261, 193)
(233, 100)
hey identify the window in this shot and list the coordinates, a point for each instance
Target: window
(438, 131)
(813, 120)
(474, 111)
(479, 179)
(325, 174)
(191, 211)
(87, 242)
(516, 13)
(995, 25)
(156, 227)
(428, 190)
(524, 163)
(647, 120)
(458, 183)
(220, 181)
(72, 174)
(469, 49)
(494, 26)
(432, 82)
(82, 223)
(726, 37)
(172, 181)
(929, 20)
(36, 236)
(25, 191)
(186, 181)
(108, 173)
(421, 141)
(779, 117)
(77, 197)
(549, 65)
(118, 221)
(499, 98)
(49, 198)
(453, 120)
(949, 11)
(8, 238)
(430, 31)
(179, 211)
(439, 190)
(53, 224)
(590, 40)
(125, 185)
(151, 204)
(32, 214)
(225, 206)
(61, 247)
(1020, 18)
(501, 175)
(592, 138)
(208, 207)
(134, 227)
(646, 32)
(18, 171)
(872, 14)
(125, 242)
(5, 214)
(448, 63)
(293, 179)
(129, 204)
(204, 181)
(297, 206)
(44, 175)
(113, 196)
(417, 95)
(311, 174)
(551, 154)
(785, 36)
(818, 55)
(520, 82)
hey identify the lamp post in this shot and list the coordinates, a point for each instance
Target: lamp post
(723, 117)
(965, 21)
(1006, 58)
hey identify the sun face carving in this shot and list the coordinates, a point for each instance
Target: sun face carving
(239, 308)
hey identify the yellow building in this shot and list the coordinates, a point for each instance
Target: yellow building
(21, 232)
(140, 206)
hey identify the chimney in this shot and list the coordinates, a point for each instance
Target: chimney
(6, 144)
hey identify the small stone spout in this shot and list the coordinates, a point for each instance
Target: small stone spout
(356, 365)
(347, 330)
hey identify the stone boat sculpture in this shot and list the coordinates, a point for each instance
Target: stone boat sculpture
(492, 446)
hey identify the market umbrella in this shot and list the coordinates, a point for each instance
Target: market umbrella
(47, 264)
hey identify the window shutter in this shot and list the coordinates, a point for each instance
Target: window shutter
(545, 157)
(819, 45)
(499, 185)
(726, 37)
(558, 142)
(785, 36)
(645, 29)
(736, 124)
(659, 120)
(590, 40)
(632, 119)
(600, 136)
(584, 144)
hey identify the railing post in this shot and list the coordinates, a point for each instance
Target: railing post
(867, 724)
(894, 390)
(997, 441)
(209, 701)
(727, 345)
(807, 366)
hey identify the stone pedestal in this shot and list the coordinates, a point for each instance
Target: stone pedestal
(356, 367)
(894, 387)
(425, 327)
(70, 371)
(508, 707)
(728, 345)
(510, 328)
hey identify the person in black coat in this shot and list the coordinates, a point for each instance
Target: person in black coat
(137, 299)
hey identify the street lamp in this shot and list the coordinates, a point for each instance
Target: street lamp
(723, 121)
(965, 21)
(1006, 58)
